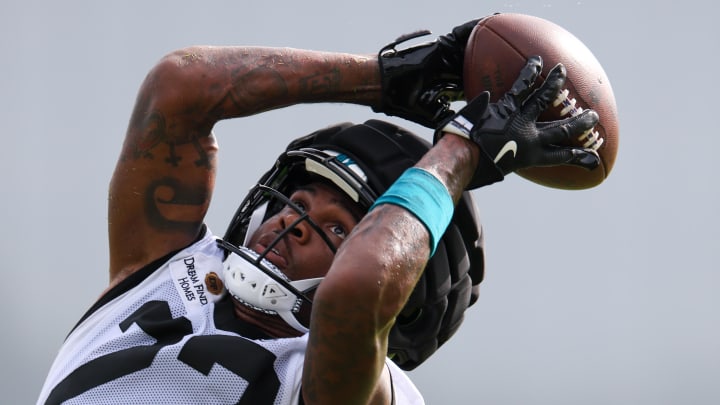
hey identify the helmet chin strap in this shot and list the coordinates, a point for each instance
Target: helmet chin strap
(256, 219)
(268, 290)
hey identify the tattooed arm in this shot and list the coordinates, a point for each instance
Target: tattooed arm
(163, 181)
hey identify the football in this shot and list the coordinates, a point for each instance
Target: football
(497, 50)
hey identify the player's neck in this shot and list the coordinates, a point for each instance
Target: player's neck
(272, 325)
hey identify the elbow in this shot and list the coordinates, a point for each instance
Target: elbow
(180, 69)
(174, 88)
(366, 298)
(171, 71)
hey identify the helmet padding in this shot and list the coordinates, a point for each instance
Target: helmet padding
(382, 151)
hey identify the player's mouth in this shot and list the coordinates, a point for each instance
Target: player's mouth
(273, 255)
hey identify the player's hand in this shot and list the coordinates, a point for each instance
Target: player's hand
(420, 82)
(509, 135)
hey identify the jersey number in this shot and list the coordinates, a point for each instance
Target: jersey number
(199, 352)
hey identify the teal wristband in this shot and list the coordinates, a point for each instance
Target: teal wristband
(426, 197)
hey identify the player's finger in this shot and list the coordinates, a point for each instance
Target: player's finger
(547, 93)
(585, 158)
(562, 131)
(523, 85)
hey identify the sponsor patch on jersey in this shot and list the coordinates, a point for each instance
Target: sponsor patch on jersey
(213, 283)
(190, 275)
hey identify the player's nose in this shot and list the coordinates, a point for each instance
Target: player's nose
(295, 225)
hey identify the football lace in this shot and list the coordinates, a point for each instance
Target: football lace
(591, 138)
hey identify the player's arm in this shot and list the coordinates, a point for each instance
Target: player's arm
(371, 278)
(164, 177)
(376, 268)
(163, 181)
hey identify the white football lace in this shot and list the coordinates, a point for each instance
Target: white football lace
(591, 137)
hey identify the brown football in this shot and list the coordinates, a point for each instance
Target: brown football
(497, 50)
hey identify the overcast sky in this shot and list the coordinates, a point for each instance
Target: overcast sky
(603, 296)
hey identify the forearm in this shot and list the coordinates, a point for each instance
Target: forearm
(393, 244)
(452, 161)
(206, 84)
(372, 276)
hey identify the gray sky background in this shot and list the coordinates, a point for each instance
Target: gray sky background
(603, 296)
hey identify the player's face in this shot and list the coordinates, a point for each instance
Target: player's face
(303, 253)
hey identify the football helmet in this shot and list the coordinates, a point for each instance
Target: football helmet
(363, 161)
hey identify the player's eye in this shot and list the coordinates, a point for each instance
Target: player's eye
(299, 204)
(339, 231)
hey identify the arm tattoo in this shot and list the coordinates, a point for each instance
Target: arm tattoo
(173, 205)
(152, 132)
(320, 83)
(258, 89)
(203, 160)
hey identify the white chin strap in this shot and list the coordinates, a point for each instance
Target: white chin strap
(256, 219)
(254, 288)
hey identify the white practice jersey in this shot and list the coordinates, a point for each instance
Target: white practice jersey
(167, 335)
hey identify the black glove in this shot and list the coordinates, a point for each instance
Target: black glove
(418, 83)
(509, 135)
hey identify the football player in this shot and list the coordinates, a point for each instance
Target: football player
(353, 258)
